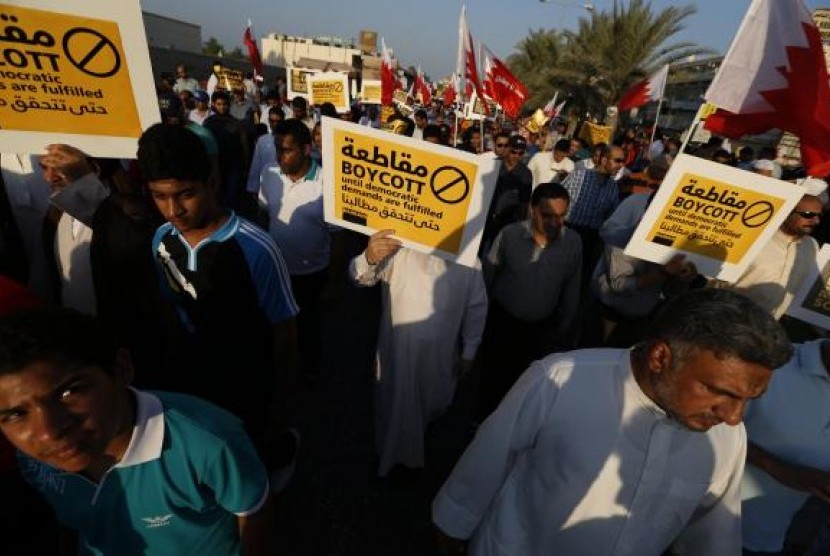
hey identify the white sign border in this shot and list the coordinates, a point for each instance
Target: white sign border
(128, 16)
(482, 190)
(641, 248)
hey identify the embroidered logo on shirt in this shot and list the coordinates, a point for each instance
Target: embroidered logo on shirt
(175, 278)
(157, 521)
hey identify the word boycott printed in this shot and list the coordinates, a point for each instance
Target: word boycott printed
(434, 198)
(713, 218)
(63, 73)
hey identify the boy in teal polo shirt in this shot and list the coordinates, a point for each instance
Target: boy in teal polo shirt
(132, 472)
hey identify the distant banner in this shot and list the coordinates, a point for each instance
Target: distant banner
(719, 216)
(330, 87)
(298, 82)
(400, 97)
(812, 300)
(371, 92)
(537, 122)
(230, 80)
(434, 197)
(68, 76)
(595, 133)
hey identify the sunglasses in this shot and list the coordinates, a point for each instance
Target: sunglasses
(807, 214)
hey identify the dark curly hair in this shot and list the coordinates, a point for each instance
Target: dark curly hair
(55, 335)
(172, 152)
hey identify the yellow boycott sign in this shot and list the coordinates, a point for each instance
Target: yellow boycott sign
(595, 133)
(400, 96)
(298, 82)
(330, 87)
(230, 80)
(718, 216)
(64, 73)
(371, 93)
(811, 302)
(713, 218)
(433, 197)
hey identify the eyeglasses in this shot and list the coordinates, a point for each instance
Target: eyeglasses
(808, 214)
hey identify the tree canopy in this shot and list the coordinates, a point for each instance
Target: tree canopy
(608, 51)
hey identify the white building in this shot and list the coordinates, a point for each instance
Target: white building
(321, 53)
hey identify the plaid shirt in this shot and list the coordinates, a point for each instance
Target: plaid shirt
(594, 197)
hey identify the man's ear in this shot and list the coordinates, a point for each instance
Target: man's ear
(124, 370)
(659, 357)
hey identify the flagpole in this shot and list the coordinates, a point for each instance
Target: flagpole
(656, 121)
(555, 96)
(689, 133)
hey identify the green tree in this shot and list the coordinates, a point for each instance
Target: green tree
(535, 65)
(212, 47)
(607, 53)
(237, 53)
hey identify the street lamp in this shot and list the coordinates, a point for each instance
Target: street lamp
(584, 5)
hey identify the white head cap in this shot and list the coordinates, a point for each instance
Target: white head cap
(769, 165)
(816, 187)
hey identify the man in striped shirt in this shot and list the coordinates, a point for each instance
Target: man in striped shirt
(594, 196)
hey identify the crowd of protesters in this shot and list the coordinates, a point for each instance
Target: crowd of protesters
(161, 314)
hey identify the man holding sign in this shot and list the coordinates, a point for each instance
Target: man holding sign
(774, 276)
(428, 305)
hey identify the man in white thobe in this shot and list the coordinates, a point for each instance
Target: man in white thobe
(617, 452)
(427, 303)
(776, 274)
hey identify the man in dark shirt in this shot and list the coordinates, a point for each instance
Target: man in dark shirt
(234, 148)
(227, 281)
(512, 195)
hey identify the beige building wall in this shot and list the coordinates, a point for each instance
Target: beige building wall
(285, 50)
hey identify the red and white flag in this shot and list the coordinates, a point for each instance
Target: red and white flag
(253, 52)
(388, 82)
(549, 108)
(558, 109)
(422, 88)
(502, 86)
(775, 76)
(466, 62)
(647, 90)
(450, 91)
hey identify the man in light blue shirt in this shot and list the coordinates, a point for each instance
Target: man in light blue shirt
(789, 448)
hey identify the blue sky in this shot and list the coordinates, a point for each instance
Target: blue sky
(425, 32)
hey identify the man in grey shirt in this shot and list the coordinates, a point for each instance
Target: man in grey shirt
(532, 273)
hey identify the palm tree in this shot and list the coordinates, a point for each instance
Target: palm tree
(610, 50)
(535, 64)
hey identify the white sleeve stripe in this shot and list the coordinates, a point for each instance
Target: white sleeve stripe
(271, 248)
(259, 504)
